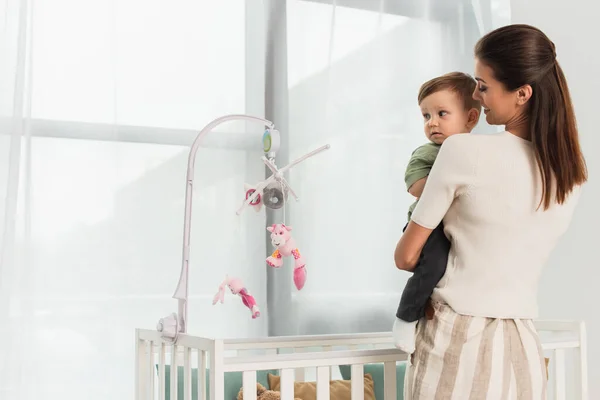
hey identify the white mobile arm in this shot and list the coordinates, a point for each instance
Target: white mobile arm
(278, 176)
(174, 324)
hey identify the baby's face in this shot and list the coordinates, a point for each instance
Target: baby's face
(444, 115)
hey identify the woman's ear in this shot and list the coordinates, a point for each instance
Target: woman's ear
(472, 118)
(524, 93)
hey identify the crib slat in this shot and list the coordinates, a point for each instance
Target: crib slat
(187, 374)
(217, 374)
(140, 367)
(583, 361)
(161, 371)
(249, 381)
(300, 372)
(322, 383)
(389, 380)
(358, 382)
(329, 348)
(151, 370)
(174, 371)
(560, 389)
(287, 384)
(201, 375)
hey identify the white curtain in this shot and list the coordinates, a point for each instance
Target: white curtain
(353, 82)
(100, 100)
(14, 134)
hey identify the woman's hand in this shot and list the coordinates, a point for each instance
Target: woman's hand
(410, 245)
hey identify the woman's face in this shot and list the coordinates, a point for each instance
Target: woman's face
(500, 106)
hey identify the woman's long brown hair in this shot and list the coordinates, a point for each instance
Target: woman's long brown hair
(520, 55)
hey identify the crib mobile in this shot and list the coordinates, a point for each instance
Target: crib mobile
(271, 193)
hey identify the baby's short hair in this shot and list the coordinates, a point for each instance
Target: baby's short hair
(460, 83)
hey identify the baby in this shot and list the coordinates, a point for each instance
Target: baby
(448, 109)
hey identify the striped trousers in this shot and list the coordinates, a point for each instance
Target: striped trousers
(460, 357)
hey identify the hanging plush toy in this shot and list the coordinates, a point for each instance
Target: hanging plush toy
(257, 202)
(285, 246)
(237, 287)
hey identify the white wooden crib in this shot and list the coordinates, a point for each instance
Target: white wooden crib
(297, 357)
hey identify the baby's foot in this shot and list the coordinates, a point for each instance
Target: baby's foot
(404, 335)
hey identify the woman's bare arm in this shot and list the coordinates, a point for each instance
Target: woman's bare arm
(410, 245)
(417, 188)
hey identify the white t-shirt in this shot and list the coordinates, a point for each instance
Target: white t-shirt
(487, 188)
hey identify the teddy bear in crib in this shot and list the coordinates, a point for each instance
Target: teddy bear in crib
(262, 394)
(285, 246)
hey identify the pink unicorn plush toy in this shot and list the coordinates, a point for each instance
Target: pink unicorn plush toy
(285, 246)
(237, 287)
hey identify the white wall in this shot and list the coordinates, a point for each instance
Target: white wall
(570, 281)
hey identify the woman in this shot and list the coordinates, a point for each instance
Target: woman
(505, 200)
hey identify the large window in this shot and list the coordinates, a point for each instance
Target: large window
(117, 92)
(114, 92)
(354, 79)
(143, 63)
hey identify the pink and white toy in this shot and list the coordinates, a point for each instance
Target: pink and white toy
(285, 246)
(255, 194)
(257, 202)
(236, 286)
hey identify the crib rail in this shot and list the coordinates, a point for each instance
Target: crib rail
(558, 337)
(305, 341)
(153, 354)
(293, 356)
(322, 361)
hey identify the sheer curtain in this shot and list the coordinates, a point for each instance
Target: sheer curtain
(353, 82)
(99, 103)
